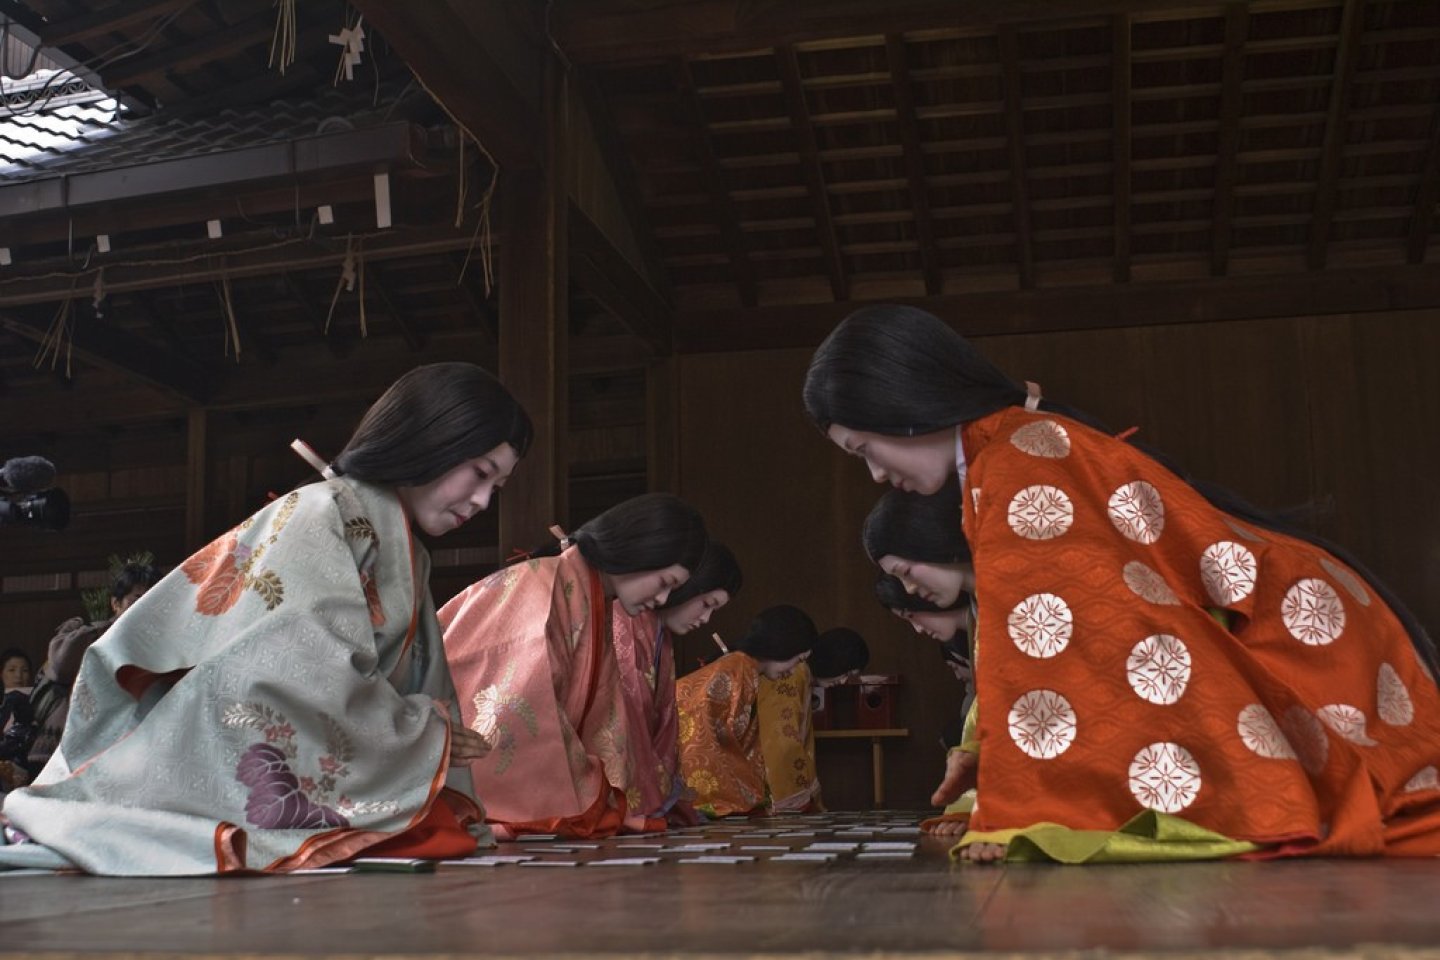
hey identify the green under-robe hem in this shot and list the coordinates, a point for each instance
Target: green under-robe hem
(1148, 837)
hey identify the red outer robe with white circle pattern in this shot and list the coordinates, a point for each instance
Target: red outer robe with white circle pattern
(1106, 687)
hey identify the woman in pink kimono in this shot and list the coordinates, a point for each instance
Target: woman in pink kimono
(281, 700)
(535, 667)
(645, 650)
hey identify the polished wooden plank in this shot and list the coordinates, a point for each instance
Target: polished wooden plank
(927, 904)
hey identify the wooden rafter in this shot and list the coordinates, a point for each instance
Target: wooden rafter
(1422, 221)
(810, 167)
(616, 31)
(216, 45)
(375, 283)
(117, 16)
(721, 208)
(1120, 85)
(1227, 162)
(437, 41)
(1015, 135)
(904, 90)
(103, 345)
(1086, 308)
(335, 340)
(607, 275)
(1352, 23)
(624, 178)
(467, 279)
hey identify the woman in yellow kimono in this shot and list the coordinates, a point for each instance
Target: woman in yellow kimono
(645, 652)
(720, 755)
(280, 700)
(531, 651)
(784, 710)
(1164, 671)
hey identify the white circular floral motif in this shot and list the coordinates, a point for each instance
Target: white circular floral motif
(1043, 438)
(1041, 512)
(1259, 731)
(1158, 669)
(1041, 625)
(1392, 700)
(1165, 777)
(1042, 724)
(1228, 572)
(1348, 580)
(1312, 612)
(1146, 584)
(1347, 722)
(1427, 779)
(1138, 512)
(1307, 735)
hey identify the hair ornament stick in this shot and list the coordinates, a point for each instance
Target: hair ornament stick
(308, 454)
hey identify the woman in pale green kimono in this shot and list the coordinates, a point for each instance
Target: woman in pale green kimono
(281, 700)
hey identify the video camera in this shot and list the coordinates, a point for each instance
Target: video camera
(28, 496)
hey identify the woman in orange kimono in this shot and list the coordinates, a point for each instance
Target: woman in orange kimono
(784, 712)
(1164, 672)
(535, 669)
(645, 652)
(280, 700)
(720, 754)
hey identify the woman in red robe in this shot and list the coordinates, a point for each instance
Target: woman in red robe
(1163, 671)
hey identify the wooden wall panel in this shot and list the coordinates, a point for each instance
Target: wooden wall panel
(1339, 414)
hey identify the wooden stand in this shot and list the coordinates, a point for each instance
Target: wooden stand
(877, 753)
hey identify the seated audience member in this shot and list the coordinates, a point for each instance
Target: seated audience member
(51, 697)
(720, 755)
(534, 662)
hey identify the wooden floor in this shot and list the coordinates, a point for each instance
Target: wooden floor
(847, 905)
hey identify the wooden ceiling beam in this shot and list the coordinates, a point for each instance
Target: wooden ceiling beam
(221, 43)
(115, 17)
(997, 313)
(618, 31)
(375, 283)
(607, 275)
(1427, 194)
(1347, 55)
(1237, 23)
(335, 341)
(458, 69)
(1015, 134)
(264, 258)
(104, 345)
(1120, 55)
(811, 169)
(722, 209)
(914, 155)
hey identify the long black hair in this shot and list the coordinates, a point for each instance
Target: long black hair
(900, 371)
(718, 570)
(837, 651)
(778, 633)
(917, 526)
(891, 593)
(131, 575)
(431, 419)
(648, 532)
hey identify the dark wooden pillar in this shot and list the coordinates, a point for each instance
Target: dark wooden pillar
(196, 493)
(534, 320)
(662, 453)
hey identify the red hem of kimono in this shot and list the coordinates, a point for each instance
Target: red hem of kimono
(440, 835)
(603, 818)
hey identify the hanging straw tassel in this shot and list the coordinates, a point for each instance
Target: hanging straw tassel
(282, 44)
(232, 329)
(347, 277)
(364, 327)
